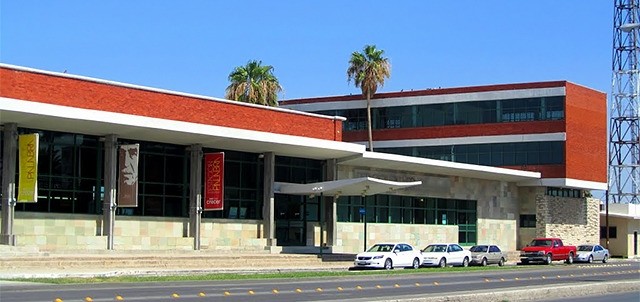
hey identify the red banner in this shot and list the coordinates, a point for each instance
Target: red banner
(214, 181)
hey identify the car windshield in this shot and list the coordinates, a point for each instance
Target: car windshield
(540, 243)
(585, 248)
(381, 248)
(435, 248)
(478, 249)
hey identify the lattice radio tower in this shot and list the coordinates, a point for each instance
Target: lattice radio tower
(624, 125)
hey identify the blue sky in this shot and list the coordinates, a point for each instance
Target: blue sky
(192, 46)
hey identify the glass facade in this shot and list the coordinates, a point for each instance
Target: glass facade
(459, 113)
(243, 188)
(412, 210)
(498, 154)
(69, 173)
(70, 179)
(564, 192)
(292, 212)
(163, 188)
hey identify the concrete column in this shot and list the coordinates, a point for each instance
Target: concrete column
(195, 194)
(268, 207)
(330, 205)
(10, 142)
(109, 204)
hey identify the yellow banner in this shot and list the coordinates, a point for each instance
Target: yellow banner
(28, 169)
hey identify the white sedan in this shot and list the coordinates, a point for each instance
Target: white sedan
(592, 252)
(443, 254)
(389, 256)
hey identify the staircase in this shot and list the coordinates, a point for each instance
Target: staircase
(20, 260)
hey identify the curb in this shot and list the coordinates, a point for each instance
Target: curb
(530, 293)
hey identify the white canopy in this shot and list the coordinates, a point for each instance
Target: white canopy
(344, 187)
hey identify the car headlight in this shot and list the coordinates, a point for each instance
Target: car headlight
(541, 253)
(377, 257)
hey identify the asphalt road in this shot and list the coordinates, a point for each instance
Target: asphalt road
(617, 297)
(425, 283)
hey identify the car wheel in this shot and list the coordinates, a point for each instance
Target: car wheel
(548, 259)
(443, 262)
(605, 259)
(465, 262)
(388, 264)
(484, 262)
(590, 260)
(570, 259)
(525, 261)
(416, 263)
(501, 262)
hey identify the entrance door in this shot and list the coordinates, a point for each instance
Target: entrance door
(292, 214)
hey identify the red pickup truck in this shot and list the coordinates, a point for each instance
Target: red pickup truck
(547, 250)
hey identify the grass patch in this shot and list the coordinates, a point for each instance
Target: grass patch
(255, 276)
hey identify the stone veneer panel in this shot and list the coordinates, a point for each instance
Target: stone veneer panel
(49, 231)
(351, 235)
(574, 220)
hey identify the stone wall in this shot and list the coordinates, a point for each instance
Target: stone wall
(54, 231)
(351, 235)
(574, 220)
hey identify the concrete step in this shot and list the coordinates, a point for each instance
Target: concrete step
(161, 260)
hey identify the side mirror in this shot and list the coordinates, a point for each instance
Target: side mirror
(396, 251)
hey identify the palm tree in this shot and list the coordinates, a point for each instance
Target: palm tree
(368, 69)
(254, 83)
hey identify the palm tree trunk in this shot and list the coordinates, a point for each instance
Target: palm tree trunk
(369, 122)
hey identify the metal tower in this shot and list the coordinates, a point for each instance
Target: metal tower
(624, 125)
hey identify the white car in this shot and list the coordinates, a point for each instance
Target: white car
(591, 252)
(389, 256)
(443, 254)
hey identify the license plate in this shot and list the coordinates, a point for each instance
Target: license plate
(363, 263)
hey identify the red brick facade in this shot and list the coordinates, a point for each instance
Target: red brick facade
(586, 147)
(87, 94)
(585, 126)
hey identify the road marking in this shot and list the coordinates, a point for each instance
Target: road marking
(175, 295)
(88, 299)
(57, 300)
(119, 298)
(227, 293)
(275, 291)
(319, 289)
(252, 292)
(417, 284)
(396, 285)
(358, 287)
(378, 286)
(340, 289)
(201, 294)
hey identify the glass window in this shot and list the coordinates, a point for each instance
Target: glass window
(528, 221)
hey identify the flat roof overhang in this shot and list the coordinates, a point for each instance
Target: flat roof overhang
(437, 167)
(36, 115)
(44, 116)
(362, 186)
(565, 183)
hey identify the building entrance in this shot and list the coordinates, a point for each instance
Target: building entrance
(293, 212)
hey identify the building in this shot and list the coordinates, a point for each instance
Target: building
(558, 129)
(624, 225)
(293, 180)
